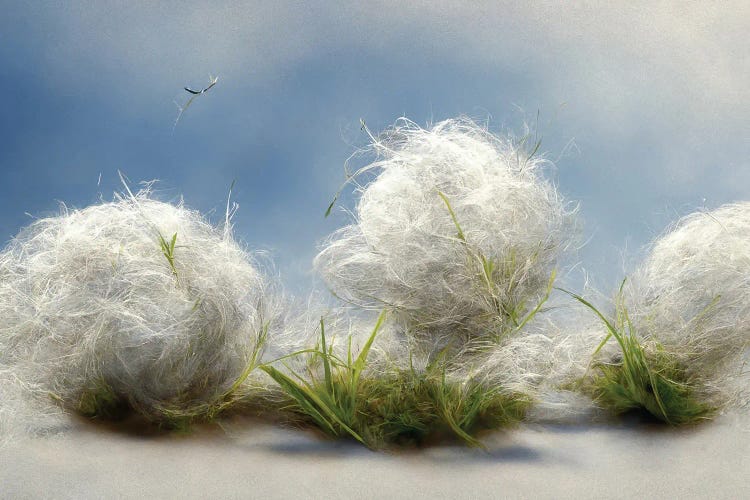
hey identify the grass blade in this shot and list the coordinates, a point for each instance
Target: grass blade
(326, 360)
(304, 397)
(453, 216)
(359, 363)
(539, 305)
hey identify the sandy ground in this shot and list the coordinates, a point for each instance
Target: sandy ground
(628, 460)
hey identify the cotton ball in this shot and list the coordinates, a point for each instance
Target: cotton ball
(693, 291)
(91, 302)
(405, 252)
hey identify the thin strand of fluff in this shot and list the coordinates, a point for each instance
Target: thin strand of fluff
(402, 251)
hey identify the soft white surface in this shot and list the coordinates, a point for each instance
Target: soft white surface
(261, 461)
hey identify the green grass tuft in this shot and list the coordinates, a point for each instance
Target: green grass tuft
(331, 403)
(167, 248)
(421, 408)
(644, 379)
(653, 383)
(395, 408)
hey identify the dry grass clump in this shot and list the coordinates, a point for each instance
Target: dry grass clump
(457, 231)
(132, 304)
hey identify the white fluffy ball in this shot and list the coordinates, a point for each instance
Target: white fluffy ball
(89, 298)
(693, 291)
(404, 252)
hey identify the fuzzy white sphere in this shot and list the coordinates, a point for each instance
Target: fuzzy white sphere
(404, 251)
(90, 299)
(693, 291)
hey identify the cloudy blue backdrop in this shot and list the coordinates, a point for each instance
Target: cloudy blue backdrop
(645, 107)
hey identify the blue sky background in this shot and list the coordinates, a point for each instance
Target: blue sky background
(645, 107)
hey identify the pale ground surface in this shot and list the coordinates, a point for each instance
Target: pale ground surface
(627, 460)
